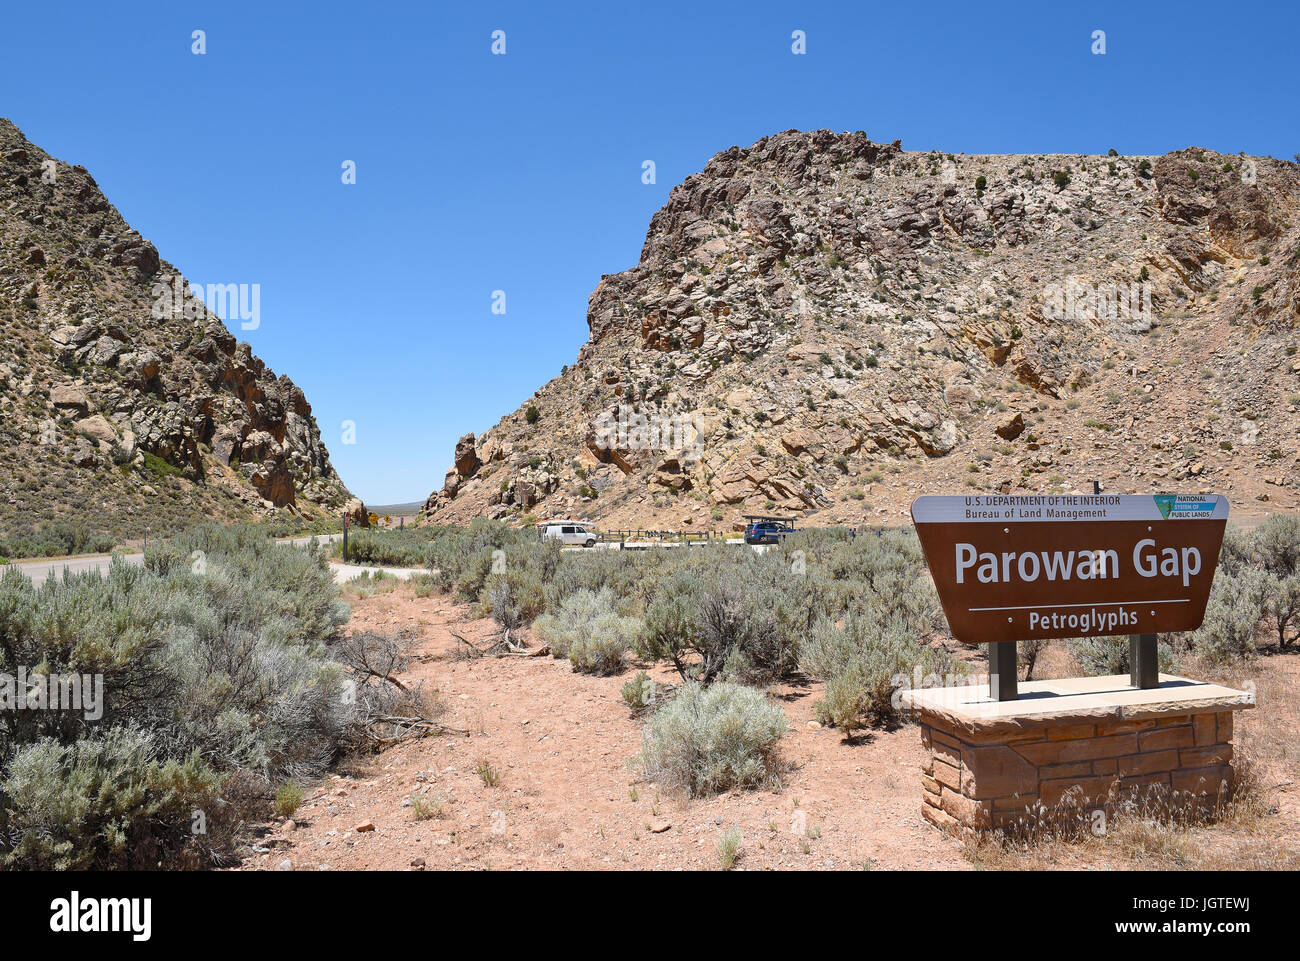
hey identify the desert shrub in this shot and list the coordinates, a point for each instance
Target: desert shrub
(216, 674)
(1237, 605)
(878, 567)
(55, 540)
(588, 570)
(1257, 584)
(711, 739)
(1237, 553)
(725, 626)
(702, 624)
(589, 632)
(405, 547)
(1277, 545)
(639, 693)
(736, 620)
(423, 585)
(603, 649)
(671, 623)
(781, 596)
(370, 583)
(722, 614)
(1282, 604)
(557, 628)
(816, 540)
(110, 799)
(1028, 653)
(287, 799)
(292, 587)
(504, 569)
(1102, 656)
(514, 598)
(632, 576)
(462, 558)
(863, 663)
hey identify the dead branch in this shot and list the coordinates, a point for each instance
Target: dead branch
(386, 730)
(522, 652)
(473, 650)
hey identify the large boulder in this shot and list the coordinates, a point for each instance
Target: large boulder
(356, 513)
(258, 445)
(68, 398)
(467, 461)
(227, 442)
(671, 472)
(938, 442)
(97, 429)
(800, 440)
(84, 455)
(1011, 426)
(274, 481)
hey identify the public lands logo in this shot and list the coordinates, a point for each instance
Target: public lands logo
(1184, 508)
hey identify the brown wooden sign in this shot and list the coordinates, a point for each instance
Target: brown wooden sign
(1015, 568)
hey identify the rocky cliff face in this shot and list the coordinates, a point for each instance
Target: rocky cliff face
(117, 411)
(829, 326)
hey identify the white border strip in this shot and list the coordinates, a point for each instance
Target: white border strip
(1063, 508)
(1049, 606)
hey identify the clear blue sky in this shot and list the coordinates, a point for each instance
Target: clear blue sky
(522, 172)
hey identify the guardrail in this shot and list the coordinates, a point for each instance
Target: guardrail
(639, 538)
(661, 538)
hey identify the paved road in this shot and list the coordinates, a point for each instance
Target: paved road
(347, 572)
(40, 571)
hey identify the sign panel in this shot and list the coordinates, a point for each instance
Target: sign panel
(1017, 568)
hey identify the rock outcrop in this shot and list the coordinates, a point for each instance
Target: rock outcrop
(134, 407)
(839, 325)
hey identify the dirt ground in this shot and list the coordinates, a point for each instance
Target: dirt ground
(566, 796)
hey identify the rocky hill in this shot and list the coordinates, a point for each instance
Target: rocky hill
(122, 406)
(829, 326)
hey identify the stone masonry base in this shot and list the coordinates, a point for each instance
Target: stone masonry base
(1068, 748)
(975, 783)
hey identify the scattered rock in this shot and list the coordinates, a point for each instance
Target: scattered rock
(1011, 426)
(69, 398)
(96, 428)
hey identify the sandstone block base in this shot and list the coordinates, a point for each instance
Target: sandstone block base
(1069, 747)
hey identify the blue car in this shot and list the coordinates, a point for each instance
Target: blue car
(766, 532)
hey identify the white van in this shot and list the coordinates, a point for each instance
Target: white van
(568, 532)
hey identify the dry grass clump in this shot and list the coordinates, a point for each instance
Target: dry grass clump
(1146, 830)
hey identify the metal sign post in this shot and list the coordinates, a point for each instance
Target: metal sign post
(1143, 661)
(1003, 679)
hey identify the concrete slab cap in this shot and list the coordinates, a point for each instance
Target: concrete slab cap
(1073, 700)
